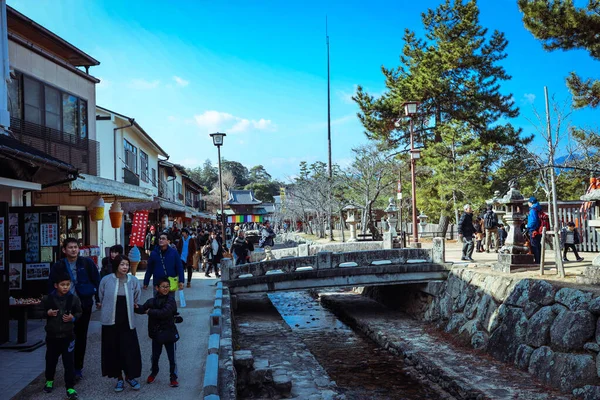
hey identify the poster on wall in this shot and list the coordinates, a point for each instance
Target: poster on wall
(2, 256)
(14, 243)
(47, 255)
(49, 229)
(36, 272)
(13, 224)
(1, 229)
(15, 275)
(32, 237)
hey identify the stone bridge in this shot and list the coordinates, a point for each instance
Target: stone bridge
(329, 269)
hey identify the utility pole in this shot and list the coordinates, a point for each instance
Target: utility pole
(329, 134)
(554, 213)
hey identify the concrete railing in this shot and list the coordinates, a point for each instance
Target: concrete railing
(329, 260)
(312, 249)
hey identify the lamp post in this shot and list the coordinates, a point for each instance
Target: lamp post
(410, 110)
(218, 141)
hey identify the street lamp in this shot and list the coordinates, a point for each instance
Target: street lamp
(410, 110)
(218, 141)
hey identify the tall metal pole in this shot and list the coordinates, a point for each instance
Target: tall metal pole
(221, 195)
(329, 135)
(414, 185)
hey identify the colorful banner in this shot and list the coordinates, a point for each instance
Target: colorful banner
(138, 228)
(240, 219)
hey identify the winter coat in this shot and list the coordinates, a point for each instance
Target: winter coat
(465, 225)
(267, 237)
(161, 313)
(108, 297)
(172, 263)
(563, 237)
(241, 247)
(55, 326)
(87, 275)
(191, 249)
(533, 219)
(216, 258)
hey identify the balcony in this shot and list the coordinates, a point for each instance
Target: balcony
(82, 153)
(164, 191)
(130, 177)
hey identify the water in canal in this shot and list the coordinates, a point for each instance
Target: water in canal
(361, 369)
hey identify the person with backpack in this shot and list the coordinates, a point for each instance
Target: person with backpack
(85, 280)
(533, 225)
(161, 311)
(62, 308)
(267, 240)
(569, 238)
(490, 223)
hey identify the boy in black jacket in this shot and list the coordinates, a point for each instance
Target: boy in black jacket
(161, 310)
(62, 308)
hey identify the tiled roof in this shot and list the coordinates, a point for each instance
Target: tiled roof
(242, 197)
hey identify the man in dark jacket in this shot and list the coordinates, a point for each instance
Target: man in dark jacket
(533, 223)
(164, 261)
(85, 282)
(490, 223)
(465, 232)
(161, 310)
(241, 247)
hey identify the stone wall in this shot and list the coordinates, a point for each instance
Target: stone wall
(544, 328)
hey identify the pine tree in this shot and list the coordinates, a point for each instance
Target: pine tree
(560, 25)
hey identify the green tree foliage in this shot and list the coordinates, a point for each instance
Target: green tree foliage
(258, 173)
(561, 25)
(264, 190)
(206, 175)
(238, 170)
(454, 72)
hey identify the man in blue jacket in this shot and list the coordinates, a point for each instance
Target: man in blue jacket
(164, 261)
(85, 280)
(533, 223)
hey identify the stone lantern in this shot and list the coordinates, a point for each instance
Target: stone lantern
(392, 216)
(514, 254)
(351, 220)
(422, 221)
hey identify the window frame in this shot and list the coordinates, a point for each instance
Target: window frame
(133, 151)
(144, 171)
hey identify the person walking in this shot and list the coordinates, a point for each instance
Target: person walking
(85, 280)
(186, 248)
(466, 231)
(490, 223)
(61, 308)
(161, 311)
(114, 251)
(533, 223)
(569, 238)
(165, 261)
(241, 249)
(267, 240)
(215, 254)
(119, 294)
(151, 240)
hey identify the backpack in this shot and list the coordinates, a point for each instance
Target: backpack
(490, 220)
(544, 222)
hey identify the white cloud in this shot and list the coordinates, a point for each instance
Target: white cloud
(104, 83)
(346, 97)
(213, 121)
(180, 81)
(142, 84)
(529, 98)
(190, 162)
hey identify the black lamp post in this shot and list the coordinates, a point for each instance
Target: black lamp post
(410, 110)
(218, 141)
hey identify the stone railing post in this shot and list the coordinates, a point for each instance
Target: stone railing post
(438, 253)
(324, 260)
(303, 250)
(388, 241)
(226, 269)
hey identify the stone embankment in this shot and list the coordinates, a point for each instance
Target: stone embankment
(551, 330)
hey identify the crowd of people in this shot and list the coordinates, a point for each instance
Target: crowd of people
(487, 229)
(76, 284)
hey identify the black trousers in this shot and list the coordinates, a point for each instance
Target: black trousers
(60, 347)
(190, 271)
(81, 330)
(572, 247)
(156, 352)
(213, 264)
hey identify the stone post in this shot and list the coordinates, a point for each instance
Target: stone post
(324, 260)
(388, 241)
(226, 269)
(438, 253)
(303, 250)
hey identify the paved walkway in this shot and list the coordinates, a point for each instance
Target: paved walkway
(22, 373)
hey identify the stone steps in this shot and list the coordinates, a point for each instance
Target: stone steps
(256, 375)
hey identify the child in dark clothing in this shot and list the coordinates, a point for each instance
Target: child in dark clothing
(161, 312)
(62, 309)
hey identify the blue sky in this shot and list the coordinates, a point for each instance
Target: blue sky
(257, 69)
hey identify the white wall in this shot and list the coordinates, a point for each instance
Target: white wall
(39, 67)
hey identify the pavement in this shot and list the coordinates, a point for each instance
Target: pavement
(23, 372)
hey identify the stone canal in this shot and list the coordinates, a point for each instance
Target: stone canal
(324, 357)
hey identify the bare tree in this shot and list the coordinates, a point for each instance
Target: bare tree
(213, 202)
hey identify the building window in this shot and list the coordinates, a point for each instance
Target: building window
(52, 102)
(32, 91)
(83, 119)
(154, 177)
(130, 156)
(144, 166)
(69, 104)
(178, 191)
(15, 97)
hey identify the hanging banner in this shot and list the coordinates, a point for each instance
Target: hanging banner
(138, 228)
(399, 190)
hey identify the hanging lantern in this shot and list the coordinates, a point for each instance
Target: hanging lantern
(116, 215)
(96, 209)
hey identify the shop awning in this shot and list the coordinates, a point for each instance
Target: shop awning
(107, 187)
(206, 215)
(169, 205)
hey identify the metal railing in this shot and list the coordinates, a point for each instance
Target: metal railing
(82, 153)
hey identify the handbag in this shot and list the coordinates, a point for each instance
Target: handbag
(173, 280)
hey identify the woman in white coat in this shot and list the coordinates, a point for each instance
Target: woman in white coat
(119, 293)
